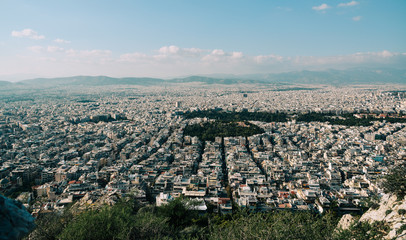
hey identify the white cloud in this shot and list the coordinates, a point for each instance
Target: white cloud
(88, 53)
(175, 51)
(169, 50)
(237, 55)
(263, 59)
(27, 33)
(387, 54)
(59, 40)
(218, 52)
(54, 49)
(383, 54)
(348, 4)
(36, 49)
(172, 61)
(356, 18)
(321, 7)
(217, 55)
(133, 57)
(218, 60)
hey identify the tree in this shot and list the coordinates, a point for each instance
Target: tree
(276, 225)
(395, 181)
(363, 231)
(107, 223)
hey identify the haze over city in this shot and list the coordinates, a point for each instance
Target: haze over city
(179, 38)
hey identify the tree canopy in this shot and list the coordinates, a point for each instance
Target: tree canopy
(128, 220)
(395, 181)
(211, 130)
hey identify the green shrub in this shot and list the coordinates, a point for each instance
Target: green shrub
(401, 229)
(277, 225)
(402, 211)
(107, 223)
(363, 231)
(395, 181)
(374, 205)
(126, 220)
(50, 225)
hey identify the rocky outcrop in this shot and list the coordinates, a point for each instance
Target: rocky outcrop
(94, 201)
(345, 222)
(15, 221)
(389, 211)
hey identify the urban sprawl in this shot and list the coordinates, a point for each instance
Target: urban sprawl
(92, 146)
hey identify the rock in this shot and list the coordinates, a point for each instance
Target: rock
(388, 209)
(378, 214)
(345, 222)
(15, 221)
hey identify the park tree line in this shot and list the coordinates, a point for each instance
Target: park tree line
(346, 119)
(208, 131)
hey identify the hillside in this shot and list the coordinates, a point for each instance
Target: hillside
(210, 80)
(90, 81)
(391, 211)
(339, 77)
(5, 83)
(327, 77)
(387, 218)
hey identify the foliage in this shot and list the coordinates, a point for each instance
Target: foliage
(402, 211)
(50, 225)
(126, 220)
(401, 229)
(346, 119)
(15, 191)
(371, 202)
(177, 213)
(363, 231)
(395, 181)
(396, 120)
(238, 116)
(107, 223)
(211, 130)
(277, 225)
(150, 226)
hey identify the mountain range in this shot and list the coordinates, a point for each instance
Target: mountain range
(327, 77)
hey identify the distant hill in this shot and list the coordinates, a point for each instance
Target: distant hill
(5, 83)
(210, 80)
(91, 81)
(337, 77)
(327, 77)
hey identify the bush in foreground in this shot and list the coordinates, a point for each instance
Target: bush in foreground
(174, 221)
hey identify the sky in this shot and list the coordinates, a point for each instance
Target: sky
(173, 38)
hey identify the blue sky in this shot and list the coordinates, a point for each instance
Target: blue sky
(169, 38)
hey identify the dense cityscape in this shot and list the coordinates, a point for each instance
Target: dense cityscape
(91, 146)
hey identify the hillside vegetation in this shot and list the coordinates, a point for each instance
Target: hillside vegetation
(128, 220)
(208, 131)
